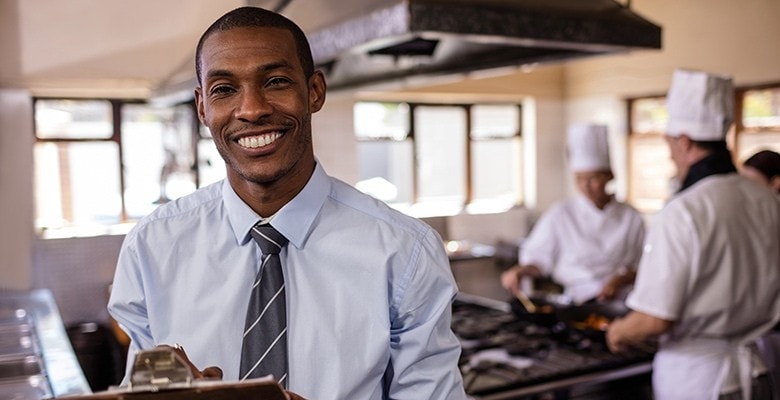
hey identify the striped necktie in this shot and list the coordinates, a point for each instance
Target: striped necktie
(264, 349)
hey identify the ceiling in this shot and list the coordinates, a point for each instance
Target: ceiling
(121, 48)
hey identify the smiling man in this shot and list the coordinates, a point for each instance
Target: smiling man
(362, 303)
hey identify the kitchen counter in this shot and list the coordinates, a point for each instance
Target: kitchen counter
(36, 358)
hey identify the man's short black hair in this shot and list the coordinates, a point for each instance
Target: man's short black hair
(255, 17)
(765, 161)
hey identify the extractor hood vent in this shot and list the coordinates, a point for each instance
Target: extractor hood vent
(437, 37)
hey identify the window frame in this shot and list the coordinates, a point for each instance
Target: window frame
(116, 137)
(738, 128)
(469, 170)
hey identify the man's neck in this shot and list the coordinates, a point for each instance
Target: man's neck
(704, 163)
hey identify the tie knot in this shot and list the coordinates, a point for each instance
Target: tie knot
(269, 239)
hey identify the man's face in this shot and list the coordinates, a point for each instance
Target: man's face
(257, 102)
(592, 184)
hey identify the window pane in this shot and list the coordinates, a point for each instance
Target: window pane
(651, 172)
(211, 166)
(496, 173)
(386, 170)
(751, 142)
(440, 140)
(649, 115)
(761, 108)
(381, 120)
(157, 155)
(77, 184)
(73, 119)
(495, 121)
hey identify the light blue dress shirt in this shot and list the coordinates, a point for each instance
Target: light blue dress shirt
(369, 291)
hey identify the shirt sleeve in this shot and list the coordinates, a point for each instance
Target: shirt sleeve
(424, 351)
(541, 246)
(662, 278)
(127, 304)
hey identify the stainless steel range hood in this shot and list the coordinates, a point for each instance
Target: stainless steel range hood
(439, 37)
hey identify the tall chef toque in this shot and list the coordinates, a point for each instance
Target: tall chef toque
(588, 148)
(700, 105)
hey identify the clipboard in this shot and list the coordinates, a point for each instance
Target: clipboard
(161, 374)
(255, 389)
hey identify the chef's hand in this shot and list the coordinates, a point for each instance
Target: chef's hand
(212, 372)
(615, 339)
(510, 279)
(615, 284)
(635, 329)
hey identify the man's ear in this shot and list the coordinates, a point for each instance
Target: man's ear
(685, 141)
(775, 183)
(317, 89)
(199, 105)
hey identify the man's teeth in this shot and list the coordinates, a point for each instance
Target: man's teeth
(258, 141)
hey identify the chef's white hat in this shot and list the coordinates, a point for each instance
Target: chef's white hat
(700, 105)
(588, 148)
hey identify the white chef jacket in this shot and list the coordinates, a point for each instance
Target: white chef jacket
(711, 263)
(581, 246)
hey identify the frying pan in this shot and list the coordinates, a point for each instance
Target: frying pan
(544, 315)
(572, 315)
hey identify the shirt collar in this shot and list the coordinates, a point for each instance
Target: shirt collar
(294, 220)
(716, 163)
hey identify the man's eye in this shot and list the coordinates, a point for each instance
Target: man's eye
(278, 81)
(221, 89)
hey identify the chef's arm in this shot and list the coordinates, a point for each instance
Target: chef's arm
(510, 279)
(616, 283)
(636, 328)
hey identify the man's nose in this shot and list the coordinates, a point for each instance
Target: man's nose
(254, 105)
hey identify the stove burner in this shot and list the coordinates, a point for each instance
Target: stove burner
(501, 352)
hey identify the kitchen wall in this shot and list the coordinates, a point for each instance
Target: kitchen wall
(721, 36)
(16, 189)
(736, 37)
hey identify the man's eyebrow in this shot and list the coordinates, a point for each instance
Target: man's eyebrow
(218, 73)
(223, 73)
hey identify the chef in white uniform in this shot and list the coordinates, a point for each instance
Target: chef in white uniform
(590, 244)
(708, 284)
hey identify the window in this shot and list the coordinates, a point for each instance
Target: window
(757, 127)
(760, 122)
(100, 162)
(435, 159)
(650, 166)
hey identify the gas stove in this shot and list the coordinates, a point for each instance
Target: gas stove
(504, 356)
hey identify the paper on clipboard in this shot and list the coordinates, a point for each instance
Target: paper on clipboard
(264, 388)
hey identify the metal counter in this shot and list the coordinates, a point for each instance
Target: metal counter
(37, 360)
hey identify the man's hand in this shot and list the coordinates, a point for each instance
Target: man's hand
(510, 279)
(292, 396)
(212, 372)
(635, 328)
(615, 284)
